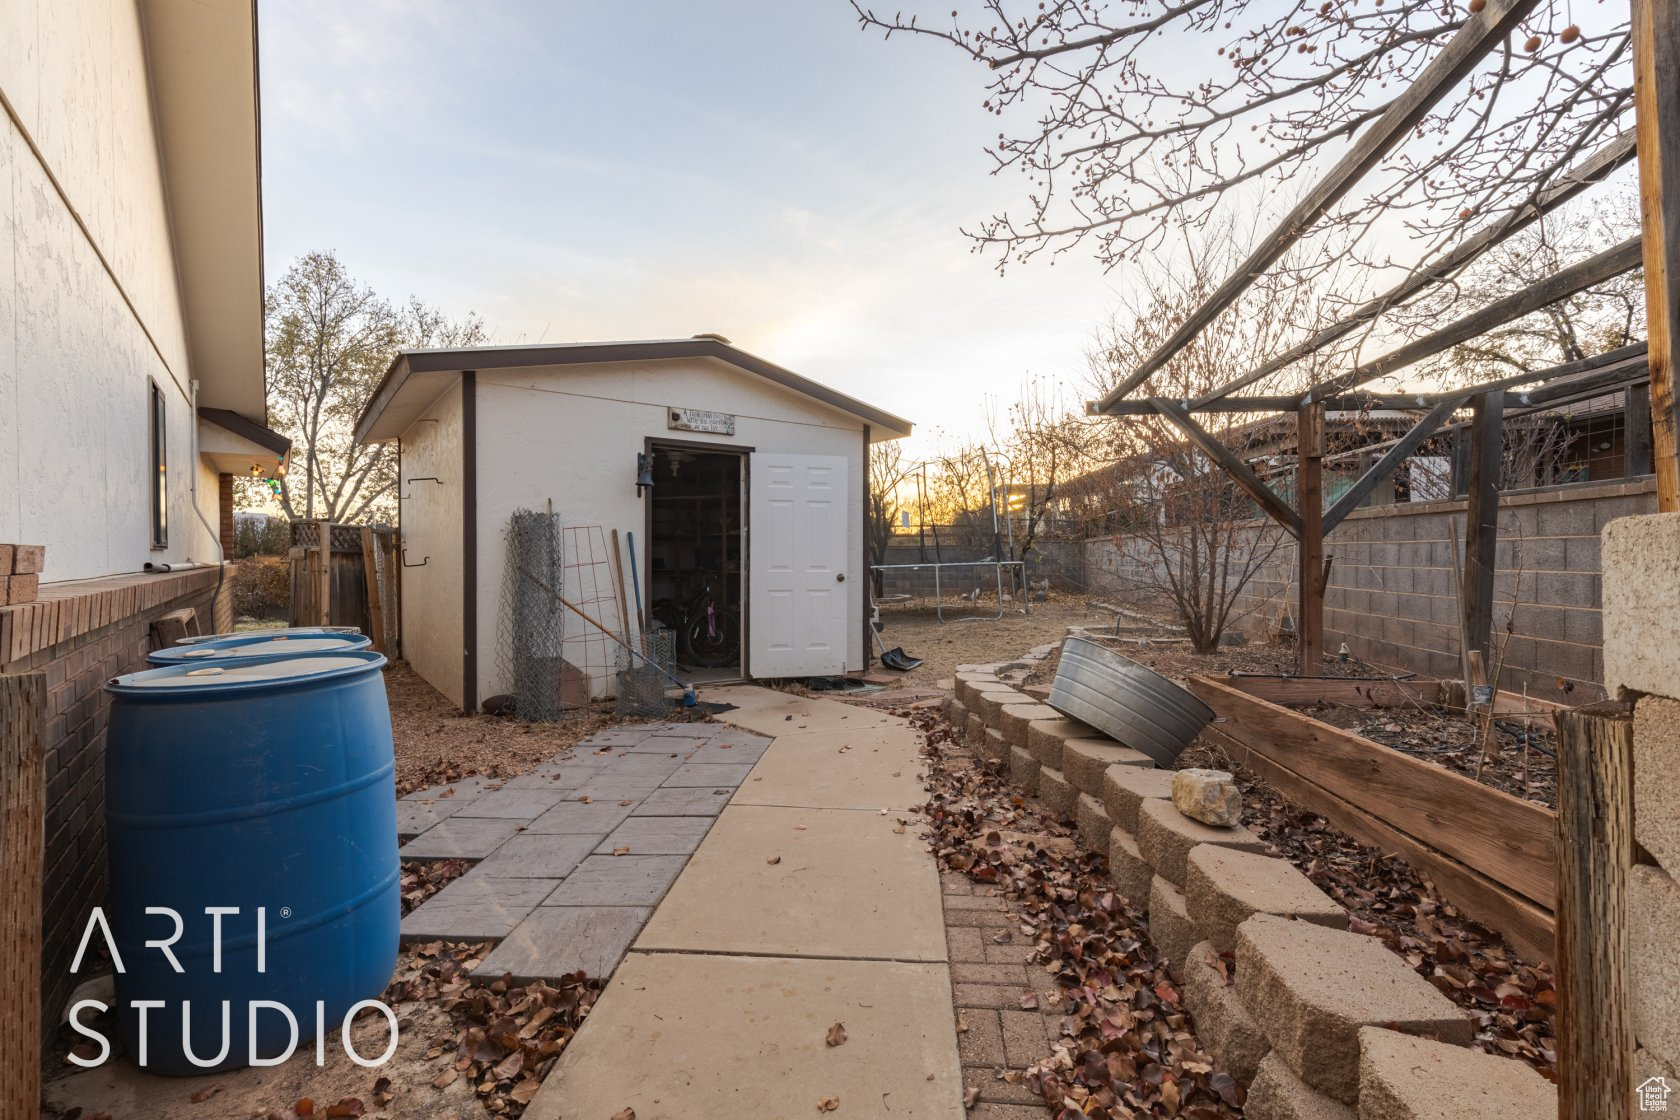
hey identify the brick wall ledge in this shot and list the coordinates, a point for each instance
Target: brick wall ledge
(75, 607)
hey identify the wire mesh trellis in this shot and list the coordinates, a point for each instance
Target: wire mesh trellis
(531, 623)
(642, 677)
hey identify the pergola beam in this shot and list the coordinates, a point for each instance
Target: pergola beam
(1568, 185)
(1241, 473)
(1481, 33)
(1616, 367)
(1656, 95)
(1611, 263)
(1391, 459)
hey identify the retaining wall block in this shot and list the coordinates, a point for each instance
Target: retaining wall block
(1223, 1024)
(974, 730)
(1094, 825)
(956, 712)
(1642, 604)
(1085, 760)
(1224, 887)
(1012, 720)
(1654, 961)
(1128, 870)
(1126, 788)
(990, 701)
(1165, 837)
(1169, 922)
(1277, 1094)
(1055, 791)
(1046, 736)
(994, 746)
(1656, 772)
(1023, 768)
(1407, 1078)
(1311, 989)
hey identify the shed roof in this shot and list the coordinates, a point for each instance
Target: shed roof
(417, 376)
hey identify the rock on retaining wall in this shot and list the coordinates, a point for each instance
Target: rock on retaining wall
(1290, 1014)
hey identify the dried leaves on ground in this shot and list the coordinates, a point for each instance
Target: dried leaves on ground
(1127, 1046)
(422, 878)
(1513, 1000)
(503, 1037)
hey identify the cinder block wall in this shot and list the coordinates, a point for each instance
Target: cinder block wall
(80, 635)
(1392, 599)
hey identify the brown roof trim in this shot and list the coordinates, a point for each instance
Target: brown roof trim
(510, 357)
(229, 420)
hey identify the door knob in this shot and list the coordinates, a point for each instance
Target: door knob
(840, 577)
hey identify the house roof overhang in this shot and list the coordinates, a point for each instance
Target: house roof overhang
(234, 445)
(417, 377)
(201, 58)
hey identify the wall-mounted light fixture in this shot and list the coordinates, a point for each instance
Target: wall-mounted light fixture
(644, 472)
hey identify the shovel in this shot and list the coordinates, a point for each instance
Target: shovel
(894, 658)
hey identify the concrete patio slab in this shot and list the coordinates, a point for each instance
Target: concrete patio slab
(843, 884)
(721, 1038)
(732, 747)
(563, 775)
(464, 789)
(706, 776)
(657, 836)
(876, 770)
(415, 817)
(769, 712)
(596, 818)
(556, 940)
(460, 838)
(641, 769)
(538, 856)
(616, 790)
(684, 802)
(513, 804)
(476, 907)
(630, 880)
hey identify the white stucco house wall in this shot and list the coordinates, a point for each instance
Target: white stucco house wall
(131, 362)
(487, 431)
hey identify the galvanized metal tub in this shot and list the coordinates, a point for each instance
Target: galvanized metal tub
(1126, 701)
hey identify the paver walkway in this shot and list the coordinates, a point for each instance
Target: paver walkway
(574, 856)
(809, 903)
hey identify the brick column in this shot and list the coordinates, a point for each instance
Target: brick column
(225, 499)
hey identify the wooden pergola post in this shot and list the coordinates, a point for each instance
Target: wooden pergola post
(1310, 478)
(1481, 531)
(1656, 97)
(1595, 851)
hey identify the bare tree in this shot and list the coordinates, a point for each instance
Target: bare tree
(1181, 532)
(1042, 444)
(330, 340)
(1137, 119)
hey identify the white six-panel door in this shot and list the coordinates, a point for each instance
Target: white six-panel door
(797, 552)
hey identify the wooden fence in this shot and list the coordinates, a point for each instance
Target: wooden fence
(355, 581)
(1492, 855)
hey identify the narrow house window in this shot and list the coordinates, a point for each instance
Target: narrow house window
(159, 474)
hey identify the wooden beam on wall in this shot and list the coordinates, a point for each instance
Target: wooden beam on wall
(1384, 467)
(1241, 473)
(1567, 186)
(1595, 852)
(1656, 97)
(1310, 577)
(23, 793)
(1637, 458)
(1480, 34)
(1481, 531)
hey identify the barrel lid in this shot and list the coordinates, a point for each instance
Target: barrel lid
(269, 635)
(259, 647)
(252, 672)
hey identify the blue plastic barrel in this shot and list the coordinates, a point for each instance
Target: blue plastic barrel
(277, 632)
(263, 783)
(258, 644)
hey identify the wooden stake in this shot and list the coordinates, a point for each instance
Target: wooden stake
(23, 720)
(623, 600)
(1656, 98)
(1481, 528)
(1595, 850)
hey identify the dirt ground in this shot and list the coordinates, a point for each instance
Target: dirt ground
(943, 646)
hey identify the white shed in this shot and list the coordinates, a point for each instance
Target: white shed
(757, 503)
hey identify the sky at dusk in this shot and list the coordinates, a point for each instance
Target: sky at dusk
(763, 169)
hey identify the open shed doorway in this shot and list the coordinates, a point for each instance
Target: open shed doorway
(695, 554)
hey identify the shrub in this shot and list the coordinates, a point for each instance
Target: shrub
(262, 587)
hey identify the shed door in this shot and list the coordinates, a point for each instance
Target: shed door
(797, 551)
